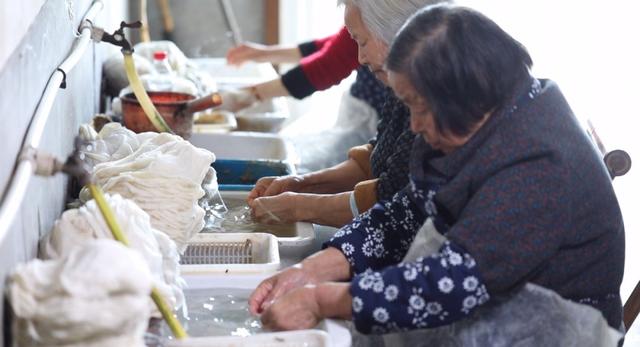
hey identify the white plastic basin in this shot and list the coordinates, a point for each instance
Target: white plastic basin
(245, 146)
(267, 116)
(328, 333)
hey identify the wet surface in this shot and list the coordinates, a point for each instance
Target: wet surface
(236, 217)
(218, 312)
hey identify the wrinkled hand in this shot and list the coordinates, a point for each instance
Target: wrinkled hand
(278, 285)
(245, 52)
(296, 310)
(236, 99)
(274, 185)
(277, 209)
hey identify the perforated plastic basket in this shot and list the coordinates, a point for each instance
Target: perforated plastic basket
(231, 253)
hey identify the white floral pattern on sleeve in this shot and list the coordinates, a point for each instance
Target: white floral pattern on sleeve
(429, 292)
(381, 236)
(390, 297)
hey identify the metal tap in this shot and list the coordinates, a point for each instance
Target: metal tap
(117, 38)
(47, 164)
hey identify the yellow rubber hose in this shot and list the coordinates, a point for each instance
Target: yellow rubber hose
(143, 98)
(175, 326)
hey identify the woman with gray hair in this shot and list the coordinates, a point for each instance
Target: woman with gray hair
(509, 215)
(374, 171)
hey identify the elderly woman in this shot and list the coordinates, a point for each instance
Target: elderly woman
(509, 214)
(374, 171)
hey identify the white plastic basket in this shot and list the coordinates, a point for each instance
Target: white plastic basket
(208, 253)
(300, 338)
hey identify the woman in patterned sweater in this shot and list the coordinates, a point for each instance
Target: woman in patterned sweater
(507, 197)
(373, 171)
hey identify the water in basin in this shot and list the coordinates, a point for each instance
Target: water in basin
(218, 312)
(237, 218)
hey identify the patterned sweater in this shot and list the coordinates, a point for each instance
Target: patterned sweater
(389, 158)
(526, 199)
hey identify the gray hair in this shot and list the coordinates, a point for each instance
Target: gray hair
(384, 18)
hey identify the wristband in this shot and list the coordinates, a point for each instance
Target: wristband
(353, 205)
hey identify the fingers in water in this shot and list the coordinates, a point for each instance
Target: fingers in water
(270, 215)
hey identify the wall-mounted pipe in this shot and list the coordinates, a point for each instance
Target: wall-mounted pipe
(26, 162)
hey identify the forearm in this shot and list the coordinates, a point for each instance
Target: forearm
(326, 209)
(327, 265)
(340, 178)
(281, 54)
(334, 300)
(268, 90)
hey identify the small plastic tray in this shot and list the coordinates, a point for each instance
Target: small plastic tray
(214, 122)
(209, 253)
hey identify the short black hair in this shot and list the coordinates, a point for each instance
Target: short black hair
(461, 62)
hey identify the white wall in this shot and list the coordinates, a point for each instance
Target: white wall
(28, 64)
(15, 18)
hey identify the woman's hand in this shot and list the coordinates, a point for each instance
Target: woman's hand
(280, 209)
(247, 51)
(327, 265)
(278, 285)
(274, 185)
(236, 99)
(303, 308)
(296, 310)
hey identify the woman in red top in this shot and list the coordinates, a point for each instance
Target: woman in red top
(322, 64)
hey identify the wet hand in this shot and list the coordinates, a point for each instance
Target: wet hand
(292, 183)
(236, 99)
(278, 209)
(278, 285)
(299, 309)
(261, 186)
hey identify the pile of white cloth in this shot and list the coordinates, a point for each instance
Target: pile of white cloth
(78, 227)
(95, 296)
(113, 142)
(162, 173)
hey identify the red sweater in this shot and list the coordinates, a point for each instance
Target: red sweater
(325, 63)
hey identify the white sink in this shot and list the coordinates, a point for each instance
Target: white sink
(328, 333)
(245, 146)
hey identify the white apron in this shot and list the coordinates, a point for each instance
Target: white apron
(533, 316)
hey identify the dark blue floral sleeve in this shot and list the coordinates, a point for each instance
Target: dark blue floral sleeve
(389, 296)
(430, 292)
(381, 236)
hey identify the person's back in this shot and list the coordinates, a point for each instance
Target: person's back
(543, 144)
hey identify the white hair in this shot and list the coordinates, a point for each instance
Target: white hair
(384, 18)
